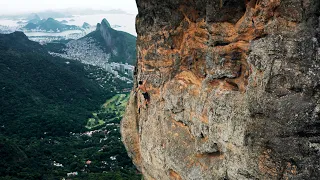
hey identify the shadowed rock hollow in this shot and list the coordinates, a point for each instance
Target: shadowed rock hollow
(234, 88)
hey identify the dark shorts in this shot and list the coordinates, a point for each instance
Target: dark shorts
(146, 96)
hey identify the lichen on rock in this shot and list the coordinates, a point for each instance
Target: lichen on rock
(234, 89)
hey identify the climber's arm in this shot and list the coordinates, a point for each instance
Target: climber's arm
(136, 90)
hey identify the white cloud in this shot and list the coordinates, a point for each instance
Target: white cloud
(21, 6)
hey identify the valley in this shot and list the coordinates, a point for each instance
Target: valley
(62, 101)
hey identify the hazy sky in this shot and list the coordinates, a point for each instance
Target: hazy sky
(21, 6)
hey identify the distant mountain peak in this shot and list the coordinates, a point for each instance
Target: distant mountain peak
(50, 24)
(105, 23)
(37, 17)
(51, 19)
(86, 25)
(19, 34)
(18, 41)
(33, 16)
(120, 45)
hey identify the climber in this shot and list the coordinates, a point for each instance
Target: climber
(142, 87)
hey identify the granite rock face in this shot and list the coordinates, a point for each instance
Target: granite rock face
(234, 86)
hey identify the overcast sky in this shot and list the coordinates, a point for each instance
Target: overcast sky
(22, 6)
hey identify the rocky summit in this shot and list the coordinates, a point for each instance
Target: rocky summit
(234, 90)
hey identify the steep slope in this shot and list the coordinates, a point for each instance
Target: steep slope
(234, 89)
(38, 89)
(45, 105)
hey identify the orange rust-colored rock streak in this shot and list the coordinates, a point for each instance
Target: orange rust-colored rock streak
(188, 42)
(220, 75)
(174, 175)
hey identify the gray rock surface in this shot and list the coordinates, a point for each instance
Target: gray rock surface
(234, 89)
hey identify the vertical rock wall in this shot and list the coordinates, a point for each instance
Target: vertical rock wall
(234, 86)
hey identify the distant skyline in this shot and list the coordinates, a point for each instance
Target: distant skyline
(12, 7)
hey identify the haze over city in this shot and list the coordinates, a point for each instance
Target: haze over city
(10, 7)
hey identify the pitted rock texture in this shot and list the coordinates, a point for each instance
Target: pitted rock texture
(234, 86)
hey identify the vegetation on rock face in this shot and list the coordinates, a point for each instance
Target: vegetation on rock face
(45, 104)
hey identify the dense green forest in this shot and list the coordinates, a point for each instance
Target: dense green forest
(58, 114)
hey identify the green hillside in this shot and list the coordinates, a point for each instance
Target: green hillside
(45, 104)
(29, 78)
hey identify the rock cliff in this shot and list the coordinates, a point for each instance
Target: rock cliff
(120, 45)
(234, 86)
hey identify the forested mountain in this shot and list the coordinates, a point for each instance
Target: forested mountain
(47, 105)
(31, 78)
(48, 25)
(121, 45)
(116, 46)
(33, 18)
